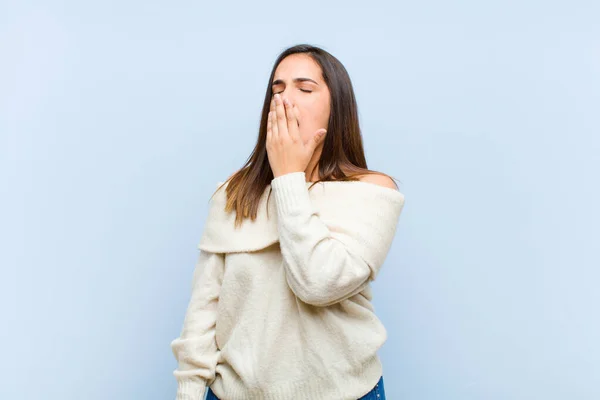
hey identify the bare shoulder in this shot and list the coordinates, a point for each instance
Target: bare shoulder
(379, 179)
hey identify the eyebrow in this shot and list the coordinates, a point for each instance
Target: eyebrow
(280, 81)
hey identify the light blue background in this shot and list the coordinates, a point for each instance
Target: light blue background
(117, 118)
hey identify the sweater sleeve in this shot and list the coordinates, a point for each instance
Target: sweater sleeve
(196, 349)
(324, 267)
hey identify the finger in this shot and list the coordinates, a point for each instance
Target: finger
(317, 138)
(269, 132)
(271, 114)
(297, 114)
(282, 130)
(274, 127)
(292, 123)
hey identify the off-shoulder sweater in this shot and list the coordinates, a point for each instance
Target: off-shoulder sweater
(280, 308)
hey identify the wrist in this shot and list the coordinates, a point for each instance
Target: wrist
(291, 193)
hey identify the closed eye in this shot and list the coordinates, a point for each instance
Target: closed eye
(303, 90)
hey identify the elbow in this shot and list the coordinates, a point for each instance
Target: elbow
(310, 293)
(323, 296)
(314, 298)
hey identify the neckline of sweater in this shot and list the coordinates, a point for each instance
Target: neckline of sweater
(366, 185)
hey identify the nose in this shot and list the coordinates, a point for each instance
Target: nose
(287, 94)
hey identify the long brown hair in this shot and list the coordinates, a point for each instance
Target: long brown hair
(342, 157)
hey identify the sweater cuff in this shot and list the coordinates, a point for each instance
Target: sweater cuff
(191, 389)
(291, 193)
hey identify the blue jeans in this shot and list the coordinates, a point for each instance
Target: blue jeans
(377, 393)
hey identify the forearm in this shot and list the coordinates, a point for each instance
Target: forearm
(196, 349)
(320, 269)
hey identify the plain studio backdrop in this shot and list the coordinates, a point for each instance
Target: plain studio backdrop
(118, 118)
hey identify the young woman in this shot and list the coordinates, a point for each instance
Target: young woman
(280, 306)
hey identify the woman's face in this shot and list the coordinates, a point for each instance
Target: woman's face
(298, 78)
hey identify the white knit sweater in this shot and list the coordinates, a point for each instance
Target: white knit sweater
(280, 307)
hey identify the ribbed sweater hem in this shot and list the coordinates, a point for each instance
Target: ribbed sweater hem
(349, 386)
(188, 389)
